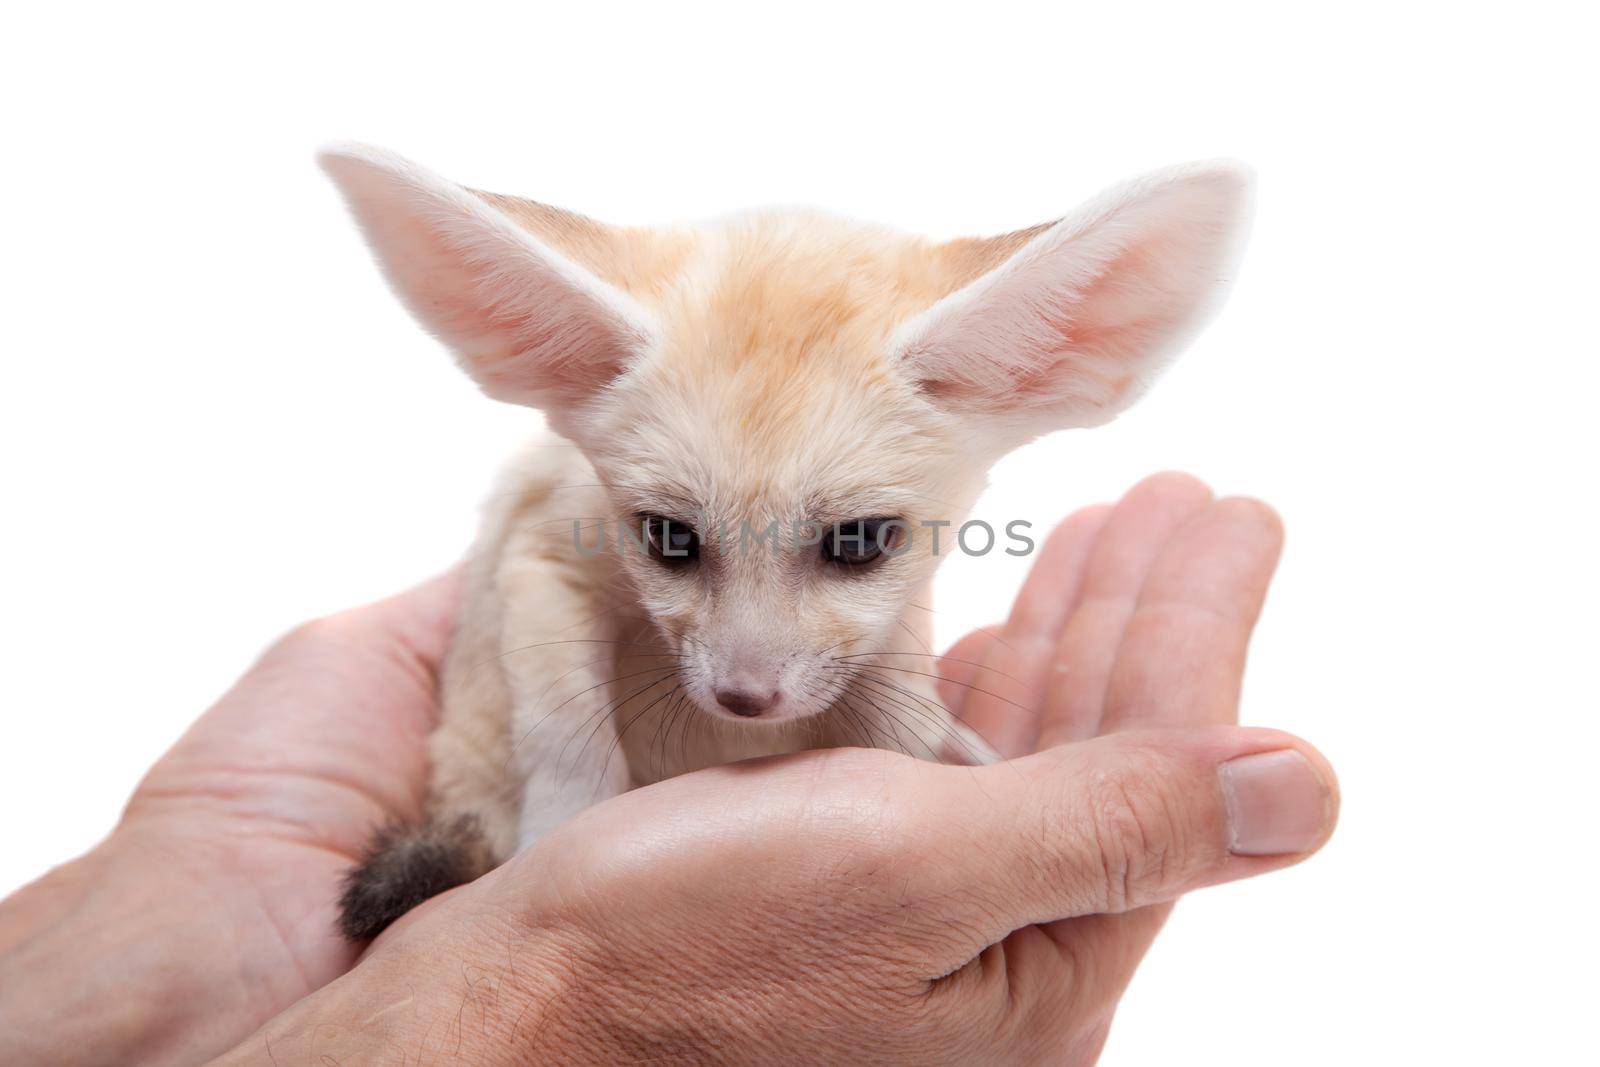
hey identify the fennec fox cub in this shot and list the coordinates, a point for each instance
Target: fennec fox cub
(760, 427)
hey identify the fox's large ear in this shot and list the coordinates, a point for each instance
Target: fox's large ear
(1071, 321)
(529, 324)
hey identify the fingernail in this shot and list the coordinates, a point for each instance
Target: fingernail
(1277, 803)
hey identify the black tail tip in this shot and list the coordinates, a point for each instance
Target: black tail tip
(406, 865)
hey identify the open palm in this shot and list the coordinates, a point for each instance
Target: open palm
(269, 797)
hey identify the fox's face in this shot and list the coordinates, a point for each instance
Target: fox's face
(791, 413)
(781, 471)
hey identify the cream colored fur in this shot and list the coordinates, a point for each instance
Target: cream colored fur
(772, 367)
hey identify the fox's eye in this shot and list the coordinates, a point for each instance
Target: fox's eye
(860, 541)
(672, 542)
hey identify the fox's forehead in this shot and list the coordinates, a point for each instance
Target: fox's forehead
(762, 444)
(771, 391)
(790, 285)
(791, 289)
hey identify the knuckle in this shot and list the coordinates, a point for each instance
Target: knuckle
(1136, 838)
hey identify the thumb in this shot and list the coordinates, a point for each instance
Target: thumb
(1117, 823)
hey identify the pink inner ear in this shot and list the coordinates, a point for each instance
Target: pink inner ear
(530, 326)
(524, 331)
(1107, 331)
(1142, 295)
(1072, 327)
(525, 335)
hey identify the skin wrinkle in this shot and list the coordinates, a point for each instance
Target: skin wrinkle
(150, 802)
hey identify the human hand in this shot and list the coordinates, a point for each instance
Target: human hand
(211, 906)
(857, 905)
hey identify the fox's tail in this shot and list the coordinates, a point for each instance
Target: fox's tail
(407, 864)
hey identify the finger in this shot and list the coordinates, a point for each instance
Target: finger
(1181, 662)
(1133, 536)
(421, 620)
(1049, 595)
(350, 697)
(1004, 696)
(960, 665)
(1109, 826)
(376, 663)
(1182, 656)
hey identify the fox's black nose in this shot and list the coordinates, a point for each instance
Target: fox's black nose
(743, 702)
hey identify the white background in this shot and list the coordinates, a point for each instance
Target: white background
(216, 421)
